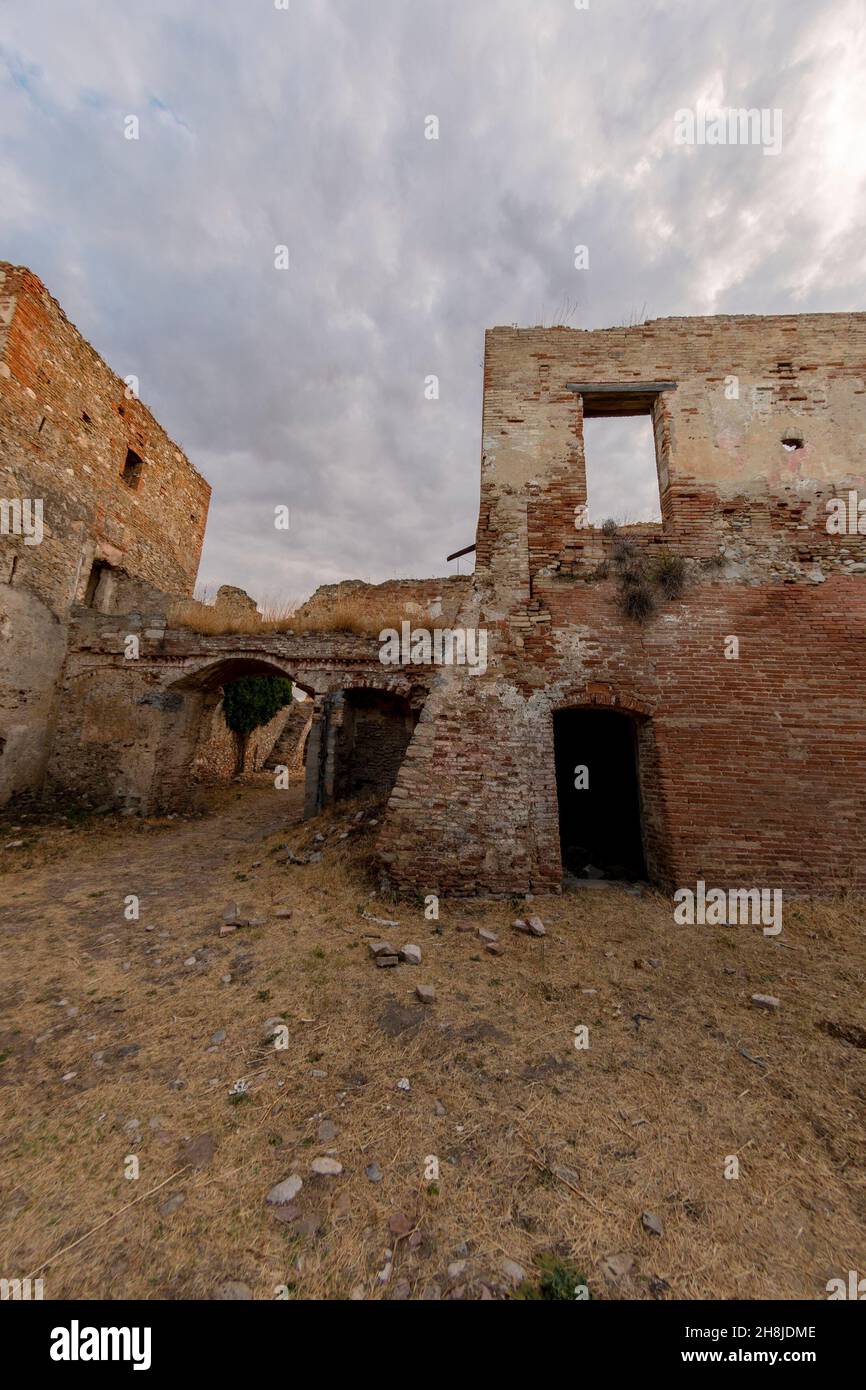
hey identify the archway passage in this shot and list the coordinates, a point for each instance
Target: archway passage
(372, 741)
(197, 743)
(598, 793)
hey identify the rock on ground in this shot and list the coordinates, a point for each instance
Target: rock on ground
(285, 1191)
(765, 1001)
(514, 1272)
(326, 1167)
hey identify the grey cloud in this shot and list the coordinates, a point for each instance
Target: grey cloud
(306, 128)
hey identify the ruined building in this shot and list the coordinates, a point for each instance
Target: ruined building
(675, 700)
(739, 763)
(85, 463)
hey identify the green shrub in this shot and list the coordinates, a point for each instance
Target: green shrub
(558, 1281)
(254, 700)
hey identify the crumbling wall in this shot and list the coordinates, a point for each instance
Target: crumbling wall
(137, 698)
(67, 422)
(730, 490)
(290, 747)
(32, 647)
(421, 599)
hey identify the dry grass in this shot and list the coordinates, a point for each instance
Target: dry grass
(348, 615)
(681, 1072)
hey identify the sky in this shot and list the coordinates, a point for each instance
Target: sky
(305, 124)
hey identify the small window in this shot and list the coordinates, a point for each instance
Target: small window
(791, 443)
(132, 469)
(620, 420)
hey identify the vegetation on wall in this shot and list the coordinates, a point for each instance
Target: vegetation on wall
(640, 576)
(669, 573)
(636, 597)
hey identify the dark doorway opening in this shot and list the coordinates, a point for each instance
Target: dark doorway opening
(372, 741)
(598, 794)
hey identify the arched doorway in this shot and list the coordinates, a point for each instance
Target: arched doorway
(601, 828)
(192, 705)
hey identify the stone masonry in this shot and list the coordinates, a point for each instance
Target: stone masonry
(128, 732)
(117, 497)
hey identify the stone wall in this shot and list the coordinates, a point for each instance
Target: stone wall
(421, 599)
(116, 494)
(218, 750)
(128, 731)
(290, 748)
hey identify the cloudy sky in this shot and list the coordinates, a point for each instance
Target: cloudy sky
(305, 126)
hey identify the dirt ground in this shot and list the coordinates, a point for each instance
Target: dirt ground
(125, 1039)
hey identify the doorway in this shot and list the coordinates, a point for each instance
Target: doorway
(597, 788)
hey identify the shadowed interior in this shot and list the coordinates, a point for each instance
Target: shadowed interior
(600, 822)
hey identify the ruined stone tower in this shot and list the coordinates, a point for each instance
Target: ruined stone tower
(86, 465)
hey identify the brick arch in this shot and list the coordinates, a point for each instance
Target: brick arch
(604, 695)
(214, 673)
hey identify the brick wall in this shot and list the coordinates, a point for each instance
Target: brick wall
(374, 736)
(751, 770)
